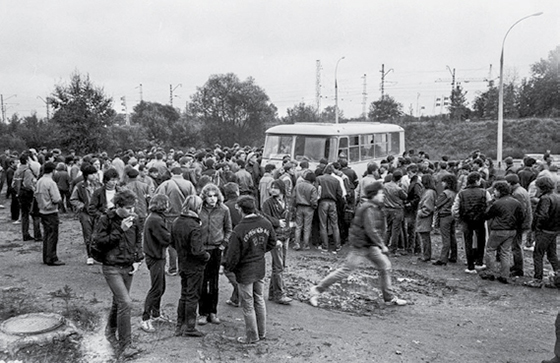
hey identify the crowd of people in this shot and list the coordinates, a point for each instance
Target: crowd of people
(196, 212)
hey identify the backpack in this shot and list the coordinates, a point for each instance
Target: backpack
(476, 213)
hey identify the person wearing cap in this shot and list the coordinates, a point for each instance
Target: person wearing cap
(366, 242)
(80, 198)
(48, 198)
(275, 209)
(522, 196)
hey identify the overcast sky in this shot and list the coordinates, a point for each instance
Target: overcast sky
(122, 44)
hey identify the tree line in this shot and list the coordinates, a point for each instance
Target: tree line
(226, 110)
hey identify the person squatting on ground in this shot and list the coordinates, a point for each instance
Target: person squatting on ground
(157, 238)
(192, 257)
(216, 230)
(425, 216)
(505, 215)
(250, 240)
(48, 198)
(117, 234)
(275, 209)
(546, 224)
(80, 198)
(366, 242)
(444, 204)
(469, 209)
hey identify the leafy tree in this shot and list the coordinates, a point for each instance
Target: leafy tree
(301, 113)
(156, 119)
(385, 109)
(458, 106)
(231, 110)
(540, 95)
(82, 112)
(328, 114)
(485, 105)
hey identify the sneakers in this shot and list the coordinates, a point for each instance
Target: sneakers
(147, 326)
(244, 340)
(534, 283)
(314, 299)
(530, 248)
(171, 273)
(163, 318)
(130, 351)
(202, 320)
(193, 333)
(396, 301)
(212, 318)
(467, 271)
(90, 261)
(16, 222)
(480, 267)
(284, 300)
(231, 303)
(439, 263)
(296, 247)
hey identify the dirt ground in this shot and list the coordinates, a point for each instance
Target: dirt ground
(453, 317)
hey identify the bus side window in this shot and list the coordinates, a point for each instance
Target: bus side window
(343, 146)
(354, 154)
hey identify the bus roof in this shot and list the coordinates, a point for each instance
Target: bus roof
(330, 129)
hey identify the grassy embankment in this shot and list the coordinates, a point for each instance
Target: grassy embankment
(458, 139)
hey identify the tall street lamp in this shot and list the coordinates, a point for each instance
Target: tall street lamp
(336, 92)
(499, 155)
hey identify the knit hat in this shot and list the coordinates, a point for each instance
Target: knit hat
(508, 160)
(132, 173)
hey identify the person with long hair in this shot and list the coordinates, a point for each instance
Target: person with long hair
(192, 257)
(444, 203)
(425, 215)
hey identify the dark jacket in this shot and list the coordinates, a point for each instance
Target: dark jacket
(330, 188)
(368, 226)
(98, 203)
(274, 212)
(81, 197)
(415, 191)
(185, 238)
(526, 176)
(445, 202)
(472, 205)
(250, 240)
(505, 213)
(547, 213)
(156, 236)
(123, 247)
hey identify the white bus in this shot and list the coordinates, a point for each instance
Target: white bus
(361, 142)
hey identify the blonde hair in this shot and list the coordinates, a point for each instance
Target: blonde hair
(192, 203)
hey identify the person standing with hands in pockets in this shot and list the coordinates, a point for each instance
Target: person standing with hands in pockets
(117, 233)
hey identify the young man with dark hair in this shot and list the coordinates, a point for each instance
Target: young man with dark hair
(250, 240)
(48, 198)
(366, 241)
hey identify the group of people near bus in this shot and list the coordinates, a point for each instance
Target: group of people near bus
(199, 212)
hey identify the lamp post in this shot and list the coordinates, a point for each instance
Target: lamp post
(336, 91)
(499, 155)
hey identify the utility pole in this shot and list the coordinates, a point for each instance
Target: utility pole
(318, 87)
(3, 106)
(383, 74)
(171, 90)
(141, 98)
(452, 78)
(364, 98)
(47, 106)
(125, 110)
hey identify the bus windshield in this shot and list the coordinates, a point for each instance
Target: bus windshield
(313, 147)
(277, 146)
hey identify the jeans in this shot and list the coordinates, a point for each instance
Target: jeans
(209, 298)
(395, 218)
(152, 305)
(545, 244)
(355, 256)
(448, 239)
(50, 240)
(191, 289)
(517, 250)
(474, 249)
(276, 289)
(426, 241)
(304, 219)
(254, 309)
(87, 229)
(172, 252)
(119, 281)
(328, 217)
(412, 242)
(499, 240)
